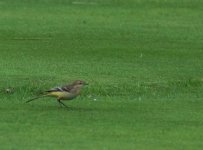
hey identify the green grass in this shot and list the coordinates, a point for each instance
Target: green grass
(143, 60)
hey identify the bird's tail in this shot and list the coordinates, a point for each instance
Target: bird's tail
(41, 96)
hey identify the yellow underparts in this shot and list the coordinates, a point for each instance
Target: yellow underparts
(62, 95)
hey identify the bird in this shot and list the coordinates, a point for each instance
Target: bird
(66, 92)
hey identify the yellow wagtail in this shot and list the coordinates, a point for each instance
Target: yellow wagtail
(67, 92)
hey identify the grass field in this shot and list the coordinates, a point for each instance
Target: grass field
(143, 60)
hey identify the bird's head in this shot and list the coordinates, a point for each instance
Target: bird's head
(79, 83)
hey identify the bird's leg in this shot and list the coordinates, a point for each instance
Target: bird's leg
(59, 102)
(62, 103)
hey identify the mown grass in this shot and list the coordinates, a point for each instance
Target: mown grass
(143, 60)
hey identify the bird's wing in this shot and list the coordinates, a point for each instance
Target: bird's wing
(66, 88)
(56, 89)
